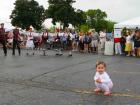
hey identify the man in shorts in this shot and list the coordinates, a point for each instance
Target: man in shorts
(95, 41)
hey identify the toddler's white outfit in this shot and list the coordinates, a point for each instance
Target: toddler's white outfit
(106, 83)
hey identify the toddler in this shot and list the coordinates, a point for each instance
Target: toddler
(102, 80)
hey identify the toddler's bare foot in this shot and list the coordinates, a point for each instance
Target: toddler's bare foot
(97, 90)
(107, 93)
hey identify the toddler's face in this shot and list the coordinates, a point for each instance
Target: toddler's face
(100, 68)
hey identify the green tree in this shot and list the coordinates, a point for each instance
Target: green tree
(52, 29)
(79, 18)
(96, 19)
(63, 12)
(84, 28)
(26, 13)
(110, 26)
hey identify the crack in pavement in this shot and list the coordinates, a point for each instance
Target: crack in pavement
(64, 89)
(62, 68)
(53, 79)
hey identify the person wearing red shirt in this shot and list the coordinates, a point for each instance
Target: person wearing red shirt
(16, 39)
(3, 38)
(118, 49)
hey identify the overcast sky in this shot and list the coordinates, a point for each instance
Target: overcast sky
(117, 10)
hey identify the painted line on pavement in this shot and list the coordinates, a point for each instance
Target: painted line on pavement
(89, 91)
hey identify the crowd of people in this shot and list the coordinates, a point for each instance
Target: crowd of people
(129, 43)
(70, 40)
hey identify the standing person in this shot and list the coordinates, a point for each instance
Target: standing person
(69, 43)
(95, 41)
(87, 41)
(16, 40)
(30, 43)
(122, 42)
(36, 43)
(3, 38)
(81, 43)
(128, 46)
(64, 40)
(58, 45)
(102, 80)
(137, 43)
(132, 40)
(118, 48)
(45, 37)
(76, 39)
(102, 39)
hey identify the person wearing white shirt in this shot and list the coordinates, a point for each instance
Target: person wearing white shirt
(102, 80)
(29, 43)
(128, 47)
(102, 39)
(69, 43)
(63, 39)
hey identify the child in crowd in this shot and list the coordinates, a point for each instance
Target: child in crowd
(102, 80)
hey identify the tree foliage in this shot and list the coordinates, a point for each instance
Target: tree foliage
(63, 12)
(26, 13)
(84, 28)
(110, 26)
(96, 19)
(79, 18)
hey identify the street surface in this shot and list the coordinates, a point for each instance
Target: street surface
(62, 80)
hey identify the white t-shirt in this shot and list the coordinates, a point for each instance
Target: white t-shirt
(102, 35)
(81, 38)
(45, 34)
(61, 34)
(71, 36)
(30, 36)
(104, 77)
(128, 39)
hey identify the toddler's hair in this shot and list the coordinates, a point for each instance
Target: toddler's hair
(100, 63)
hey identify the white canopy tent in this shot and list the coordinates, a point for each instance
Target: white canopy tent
(130, 24)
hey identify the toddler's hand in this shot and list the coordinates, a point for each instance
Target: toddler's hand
(98, 80)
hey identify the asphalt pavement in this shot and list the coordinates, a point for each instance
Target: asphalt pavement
(63, 80)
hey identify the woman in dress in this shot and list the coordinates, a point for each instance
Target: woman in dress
(30, 43)
(128, 45)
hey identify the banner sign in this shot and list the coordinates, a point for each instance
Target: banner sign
(117, 33)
